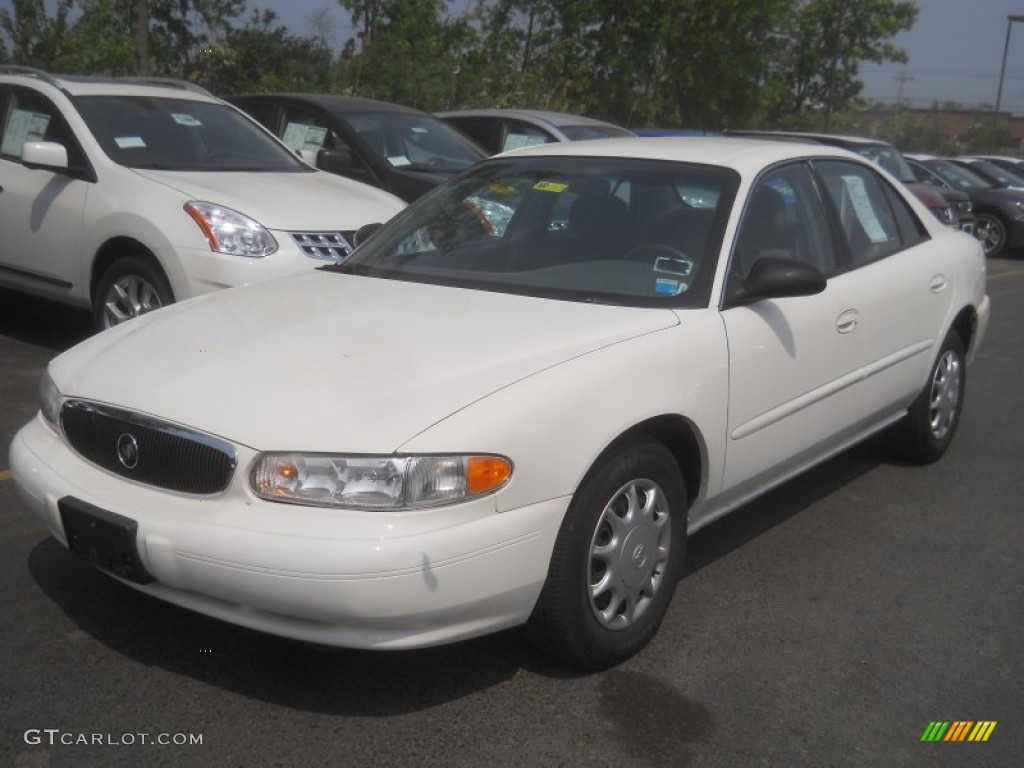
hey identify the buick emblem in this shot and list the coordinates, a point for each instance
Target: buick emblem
(639, 557)
(128, 451)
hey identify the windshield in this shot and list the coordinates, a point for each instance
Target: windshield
(182, 135)
(890, 159)
(582, 132)
(957, 176)
(416, 142)
(998, 174)
(633, 232)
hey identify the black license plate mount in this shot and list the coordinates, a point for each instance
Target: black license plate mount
(102, 538)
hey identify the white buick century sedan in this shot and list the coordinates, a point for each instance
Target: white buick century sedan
(511, 404)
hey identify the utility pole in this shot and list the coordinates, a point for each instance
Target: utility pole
(902, 78)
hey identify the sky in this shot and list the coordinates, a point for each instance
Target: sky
(955, 49)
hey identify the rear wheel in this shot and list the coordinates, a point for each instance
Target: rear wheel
(130, 287)
(616, 560)
(928, 429)
(991, 231)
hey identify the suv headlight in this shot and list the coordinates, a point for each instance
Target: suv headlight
(376, 482)
(50, 401)
(228, 231)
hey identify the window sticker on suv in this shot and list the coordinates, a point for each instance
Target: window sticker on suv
(23, 126)
(302, 136)
(183, 119)
(129, 142)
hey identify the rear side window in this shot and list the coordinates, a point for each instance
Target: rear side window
(874, 221)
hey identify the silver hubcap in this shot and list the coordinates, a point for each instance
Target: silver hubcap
(989, 232)
(129, 296)
(629, 553)
(945, 395)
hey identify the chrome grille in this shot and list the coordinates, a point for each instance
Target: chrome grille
(148, 450)
(325, 246)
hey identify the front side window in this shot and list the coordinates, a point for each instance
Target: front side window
(519, 134)
(181, 135)
(581, 229)
(32, 117)
(784, 218)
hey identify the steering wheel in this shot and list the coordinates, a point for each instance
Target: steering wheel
(481, 217)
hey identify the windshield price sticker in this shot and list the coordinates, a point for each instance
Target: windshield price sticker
(550, 186)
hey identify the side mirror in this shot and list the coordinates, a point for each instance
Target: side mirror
(777, 277)
(337, 161)
(364, 233)
(46, 155)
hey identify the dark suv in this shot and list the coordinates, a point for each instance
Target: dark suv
(402, 150)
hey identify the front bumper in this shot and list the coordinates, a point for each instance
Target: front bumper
(338, 577)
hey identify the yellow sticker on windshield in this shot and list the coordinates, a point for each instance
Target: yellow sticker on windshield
(550, 186)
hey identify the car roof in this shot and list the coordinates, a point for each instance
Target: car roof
(100, 85)
(556, 119)
(335, 103)
(835, 140)
(748, 156)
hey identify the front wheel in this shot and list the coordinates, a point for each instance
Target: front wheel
(130, 287)
(616, 560)
(930, 423)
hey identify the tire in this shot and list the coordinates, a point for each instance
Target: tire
(931, 421)
(616, 560)
(130, 287)
(991, 231)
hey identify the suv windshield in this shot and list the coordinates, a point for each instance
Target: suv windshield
(416, 142)
(956, 176)
(889, 158)
(583, 229)
(181, 135)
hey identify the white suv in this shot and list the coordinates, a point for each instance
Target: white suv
(124, 195)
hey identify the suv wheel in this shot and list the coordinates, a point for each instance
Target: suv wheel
(991, 231)
(130, 287)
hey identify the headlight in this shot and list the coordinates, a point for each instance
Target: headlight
(50, 401)
(229, 231)
(376, 482)
(946, 215)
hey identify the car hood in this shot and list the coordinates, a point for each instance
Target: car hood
(286, 201)
(333, 362)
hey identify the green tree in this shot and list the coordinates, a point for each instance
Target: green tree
(411, 53)
(37, 38)
(263, 56)
(823, 44)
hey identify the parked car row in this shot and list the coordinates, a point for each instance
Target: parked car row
(998, 208)
(509, 406)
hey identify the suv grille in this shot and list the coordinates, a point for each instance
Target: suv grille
(147, 450)
(326, 246)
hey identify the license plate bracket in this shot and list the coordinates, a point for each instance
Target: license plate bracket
(102, 538)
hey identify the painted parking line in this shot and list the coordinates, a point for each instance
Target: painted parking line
(1006, 274)
(5, 474)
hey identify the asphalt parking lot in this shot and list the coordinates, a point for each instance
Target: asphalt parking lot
(826, 624)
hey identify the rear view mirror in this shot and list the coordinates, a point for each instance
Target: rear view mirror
(364, 233)
(337, 161)
(47, 155)
(777, 277)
